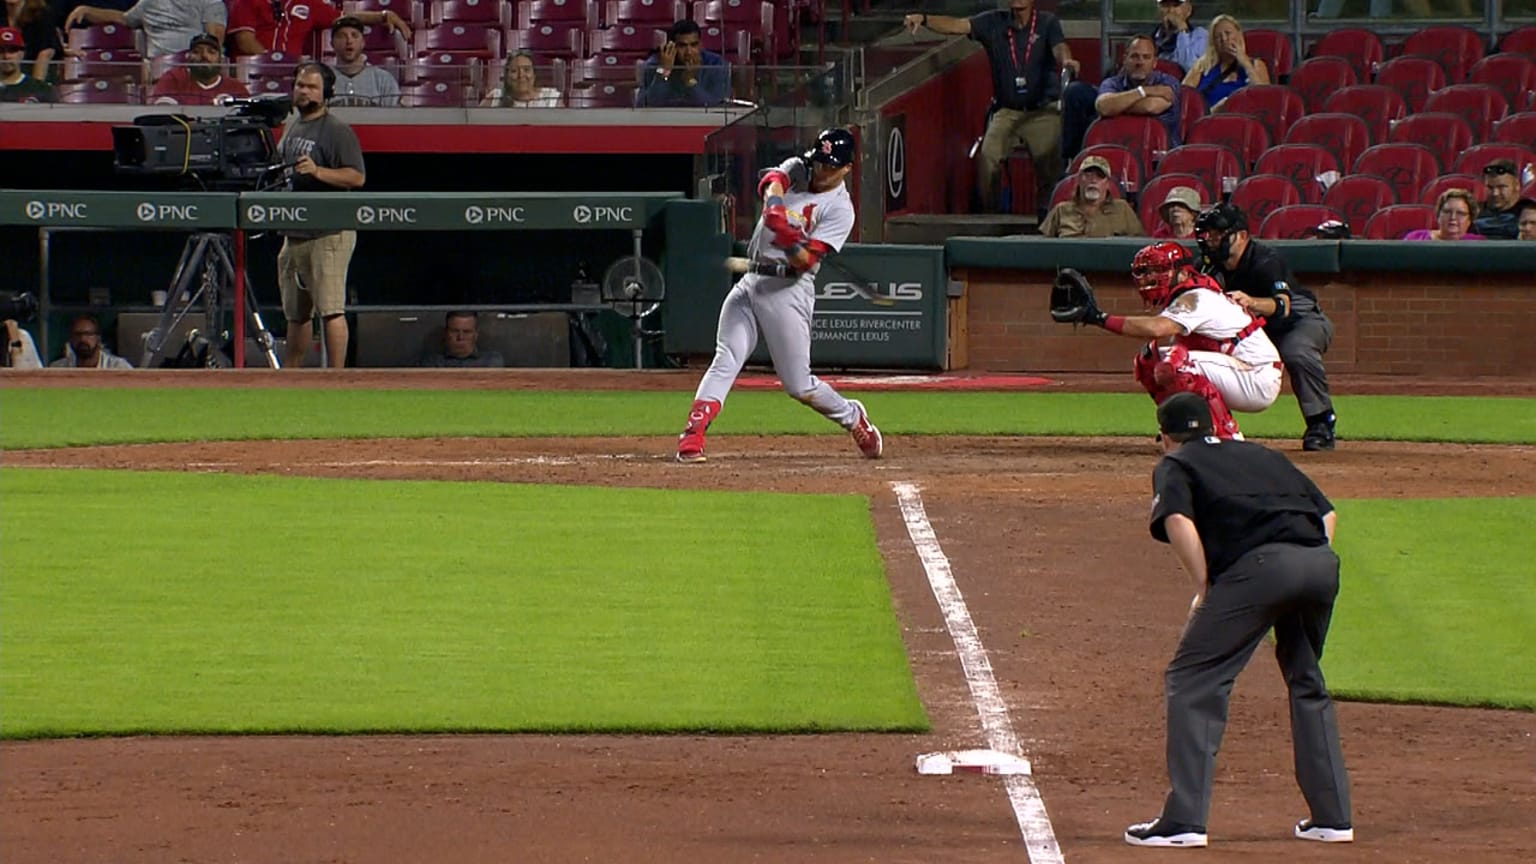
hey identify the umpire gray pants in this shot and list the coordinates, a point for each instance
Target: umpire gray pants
(1292, 589)
(1301, 349)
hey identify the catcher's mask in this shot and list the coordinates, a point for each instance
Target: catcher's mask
(1156, 268)
(1214, 228)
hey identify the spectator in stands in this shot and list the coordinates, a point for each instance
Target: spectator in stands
(1225, 67)
(201, 80)
(461, 336)
(1092, 211)
(1453, 215)
(167, 24)
(260, 26)
(312, 266)
(20, 350)
(520, 87)
(16, 85)
(1026, 92)
(39, 32)
(85, 351)
(359, 82)
(1139, 89)
(1525, 212)
(1497, 219)
(1176, 41)
(1179, 210)
(682, 73)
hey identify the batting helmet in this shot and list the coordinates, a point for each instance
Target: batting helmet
(833, 147)
(1155, 269)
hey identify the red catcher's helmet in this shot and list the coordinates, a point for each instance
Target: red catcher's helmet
(1156, 268)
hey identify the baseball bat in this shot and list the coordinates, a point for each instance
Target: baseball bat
(860, 285)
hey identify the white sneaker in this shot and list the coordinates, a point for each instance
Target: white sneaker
(1307, 831)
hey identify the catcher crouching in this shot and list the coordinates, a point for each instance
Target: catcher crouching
(1219, 351)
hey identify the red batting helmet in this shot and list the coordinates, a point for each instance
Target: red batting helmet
(1155, 269)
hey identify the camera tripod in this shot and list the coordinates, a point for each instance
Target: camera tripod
(206, 259)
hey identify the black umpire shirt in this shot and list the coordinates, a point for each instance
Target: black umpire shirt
(1262, 272)
(1020, 57)
(1240, 495)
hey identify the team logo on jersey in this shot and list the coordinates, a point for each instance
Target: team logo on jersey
(300, 12)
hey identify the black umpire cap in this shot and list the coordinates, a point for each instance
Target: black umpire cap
(1184, 412)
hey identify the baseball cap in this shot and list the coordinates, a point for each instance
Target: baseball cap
(1184, 412)
(10, 38)
(1098, 163)
(1185, 195)
(204, 39)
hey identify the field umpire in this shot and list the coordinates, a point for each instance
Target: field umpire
(1258, 278)
(1254, 533)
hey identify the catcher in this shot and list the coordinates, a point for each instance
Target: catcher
(1219, 351)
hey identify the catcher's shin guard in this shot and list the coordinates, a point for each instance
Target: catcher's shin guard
(690, 445)
(1162, 379)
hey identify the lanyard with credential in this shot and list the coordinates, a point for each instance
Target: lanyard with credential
(1019, 80)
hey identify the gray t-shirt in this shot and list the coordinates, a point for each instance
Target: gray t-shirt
(171, 24)
(371, 86)
(331, 143)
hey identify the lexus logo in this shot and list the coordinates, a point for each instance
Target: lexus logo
(256, 213)
(145, 212)
(474, 215)
(365, 215)
(582, 214)
(35, 209)
(896, 163)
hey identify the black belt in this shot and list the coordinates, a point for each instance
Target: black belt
(777, 269)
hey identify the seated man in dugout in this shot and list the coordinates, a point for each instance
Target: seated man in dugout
(461, 346)
(85, 351)
(1093, 211)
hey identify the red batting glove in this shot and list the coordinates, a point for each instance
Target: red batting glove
(785, 235)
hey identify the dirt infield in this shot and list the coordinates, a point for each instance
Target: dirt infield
(1077, 607)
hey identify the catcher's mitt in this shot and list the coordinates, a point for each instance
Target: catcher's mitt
(1072, 300)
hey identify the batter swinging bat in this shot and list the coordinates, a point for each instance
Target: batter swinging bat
(860, 285)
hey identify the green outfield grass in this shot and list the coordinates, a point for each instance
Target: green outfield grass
(141, 602)
(64, 417)
(1437, 602)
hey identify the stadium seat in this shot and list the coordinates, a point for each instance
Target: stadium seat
(1456, 49)
(602, 95)
(464, 40)
(91, 65)
(1431, 191)
(582, 13)
(157, 66)
(1345, 135)
(1295, 221)
(107, 37)
(1303, 163)
(1480, 105)
(751, 15)
(1520, 41)
(469, 12)
(410, 10)
(433, 94)
(1513, 74)
(1358, 196)
(1212, 163)
(1446, 135)
(1191, 108)
(1239, 133)
(1473, 159)
(738, 47)
(1320, 77)
(1157, 189)
(443, 67)
(1414, 77)
(1063, 190)
(630, 39)
(1405, 167)
(1360, 47)
(274, 65)
(1262, 194)
(1143, 136)
(619, 69)
(1168, 67)
(1380, 107)
(99, 91)
(379, 43)
(657, 13)
(1391, 223)
(1274, 105)
(1517, 129)
(552, 41)
(1274, 48)
(1124, 166)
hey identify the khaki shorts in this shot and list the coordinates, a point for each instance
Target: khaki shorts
(312, 275)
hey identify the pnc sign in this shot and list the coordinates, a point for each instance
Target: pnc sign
(602, 215)
(259, 213)
(477, 215)
(367, 215)
(40, 210)
(151, 212)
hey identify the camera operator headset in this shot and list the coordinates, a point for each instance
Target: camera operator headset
(312, 266)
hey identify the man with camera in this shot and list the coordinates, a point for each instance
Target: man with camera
(312, 266)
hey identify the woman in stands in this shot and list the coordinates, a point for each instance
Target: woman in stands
(520, 87)
(1225, 67)
(1453, 215)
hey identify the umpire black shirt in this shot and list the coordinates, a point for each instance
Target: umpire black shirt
(1240, 496)
(1020, 57)
(1262, 272)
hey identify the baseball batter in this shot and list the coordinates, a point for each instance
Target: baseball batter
(806, 214)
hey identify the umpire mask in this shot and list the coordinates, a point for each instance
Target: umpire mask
(1214, 228)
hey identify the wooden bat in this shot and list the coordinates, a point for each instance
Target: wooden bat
(860, 285)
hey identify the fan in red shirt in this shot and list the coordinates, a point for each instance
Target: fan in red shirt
(201, 80)
(286, 26)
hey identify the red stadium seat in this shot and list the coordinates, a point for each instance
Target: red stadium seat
(1414, 77)
(1143, 136)
(443, 67)
(469, 12)
(602, 95)
(621, 69)
(1431, 191)
(1474, 159)
(410, 10)
(738, 14)
(107, 37)
(1513, 74)
(737, 47)
(1239, 133)
(432, 94)
(1517, 129)
(582, 13)
(1391, 223)
(1456, 49)
(1063, 190)
(1157, 189)
(1124, 166)
(1303, 163)
(99, 91)
(1274, 48)
(626, 39)
(1378, 106)
(157, 66)
(1446, 135)
(1357, 197)
(1274, 105)
(1345, 135)
(272, 65)
(464, 40)
(1212, 163)
(1405, 167)
(547, 40)
(379, 43)
(1520, 41)
(91, 65)
(1191, 108)
(1262, 194)
(658, 13)
(1480, 105)
(1168, 67)
(1295, 221)
(1361, 48)
(1317, 79)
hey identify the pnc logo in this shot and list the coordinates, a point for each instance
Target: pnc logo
(365, 215)
(585, 215)
(146, 212)
(476, 215)
(258, 213)
(55, 210)
(582, 214)
(150, 212)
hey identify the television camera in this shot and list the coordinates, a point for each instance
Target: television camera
(231, 152)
